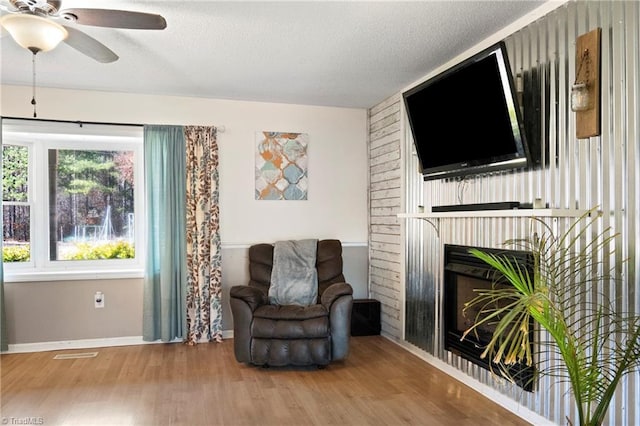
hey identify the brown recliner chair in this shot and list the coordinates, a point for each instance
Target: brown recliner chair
(280, 335)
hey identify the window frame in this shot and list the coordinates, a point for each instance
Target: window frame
(42, 136)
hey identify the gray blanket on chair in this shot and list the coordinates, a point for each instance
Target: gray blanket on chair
(294, 278)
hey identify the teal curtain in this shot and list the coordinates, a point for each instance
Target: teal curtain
(164, 309)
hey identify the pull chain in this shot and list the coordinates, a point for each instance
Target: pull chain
(33, 86)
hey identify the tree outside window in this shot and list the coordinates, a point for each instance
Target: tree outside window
(91, 198)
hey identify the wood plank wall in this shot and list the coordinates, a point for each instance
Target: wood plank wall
(385, 178)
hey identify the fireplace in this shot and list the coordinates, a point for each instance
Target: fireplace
(462, 274)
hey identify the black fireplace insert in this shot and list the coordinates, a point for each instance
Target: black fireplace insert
(464, 273)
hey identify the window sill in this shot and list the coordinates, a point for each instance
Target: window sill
(30, 276)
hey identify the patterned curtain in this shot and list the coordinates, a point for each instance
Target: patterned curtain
(204, 277)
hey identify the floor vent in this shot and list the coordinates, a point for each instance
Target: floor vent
(76, 356)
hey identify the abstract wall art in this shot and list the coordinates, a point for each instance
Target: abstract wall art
(281, 166)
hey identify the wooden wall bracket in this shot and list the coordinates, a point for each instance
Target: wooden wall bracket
(588, 121)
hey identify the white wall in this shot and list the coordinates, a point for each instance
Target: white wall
(337, 197)
(336, 205)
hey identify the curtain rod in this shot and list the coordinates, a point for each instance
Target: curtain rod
(78, 122)
(220, 129)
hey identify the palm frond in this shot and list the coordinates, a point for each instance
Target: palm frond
(591, 344)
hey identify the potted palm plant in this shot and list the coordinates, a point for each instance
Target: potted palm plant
(597, 344)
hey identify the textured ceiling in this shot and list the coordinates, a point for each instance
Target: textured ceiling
(350, 54)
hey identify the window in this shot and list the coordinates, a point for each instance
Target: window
(72, 200)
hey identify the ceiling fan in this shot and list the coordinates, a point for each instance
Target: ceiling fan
(32, 24)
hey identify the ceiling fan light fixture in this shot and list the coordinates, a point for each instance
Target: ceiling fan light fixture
(33, 32)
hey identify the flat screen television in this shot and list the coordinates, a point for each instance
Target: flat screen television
(466, 120)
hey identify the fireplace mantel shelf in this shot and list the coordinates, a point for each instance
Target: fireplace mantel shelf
(496, 213)
(433, 219)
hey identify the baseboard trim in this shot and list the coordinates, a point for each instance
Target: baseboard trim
(495, 396)
(75, 344)
(90, 343)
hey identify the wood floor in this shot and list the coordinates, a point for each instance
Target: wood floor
(174, 384)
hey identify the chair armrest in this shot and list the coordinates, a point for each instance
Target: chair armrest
(338, 300)
(253, 296)
(334, 292)
(244, 301)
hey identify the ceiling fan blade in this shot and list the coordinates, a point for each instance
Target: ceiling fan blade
(115, 18)
(6, 6)
(88, 45)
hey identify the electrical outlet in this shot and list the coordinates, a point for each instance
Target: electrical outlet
(98, 299)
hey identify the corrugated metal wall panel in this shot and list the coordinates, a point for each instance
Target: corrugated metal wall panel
(599, 171)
